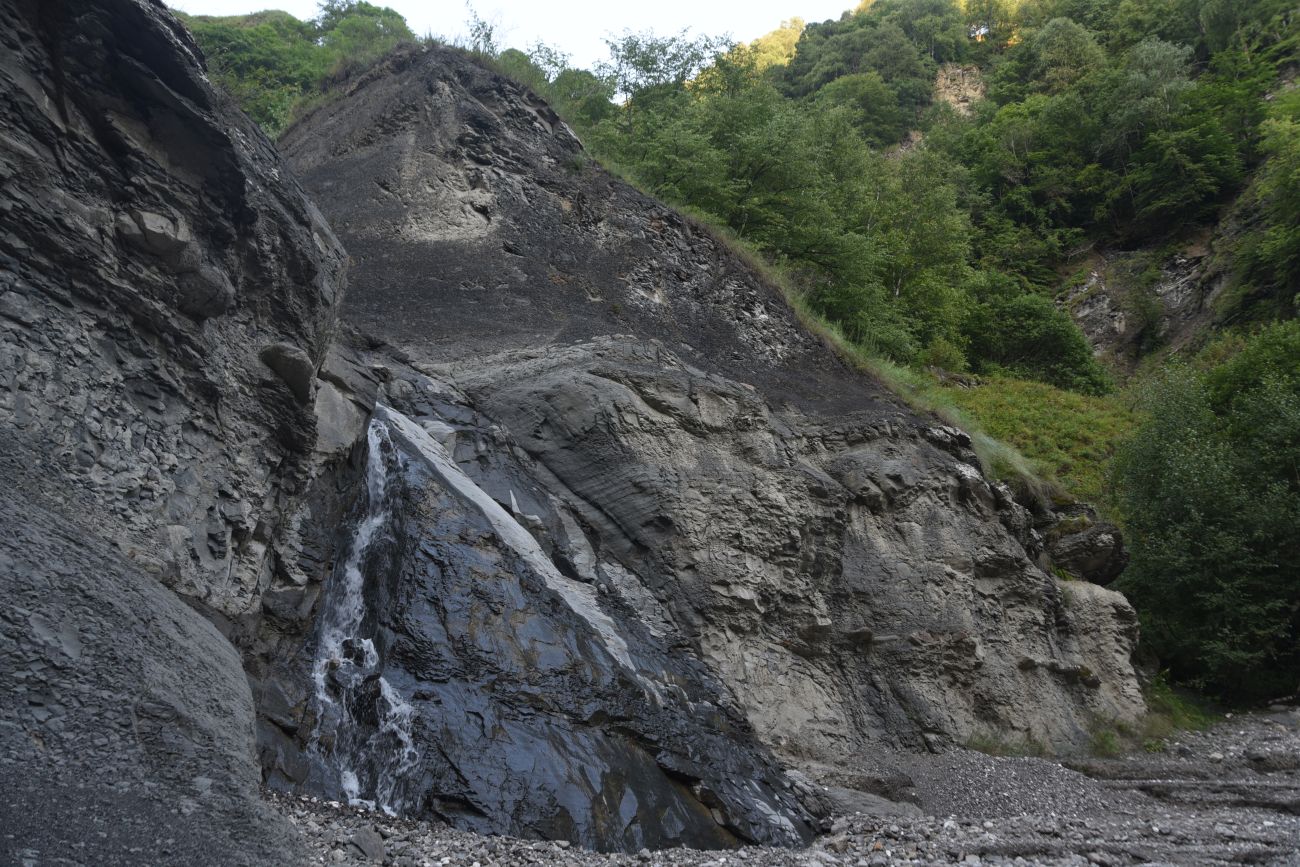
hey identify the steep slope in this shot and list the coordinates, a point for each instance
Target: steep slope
(703, 482)
(166, 294)
(600, 544)
(1131, 303)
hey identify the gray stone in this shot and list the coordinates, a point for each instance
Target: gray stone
(152, 481)
(294, 366)
(368, 843)
(205, 293)
(1086, 547)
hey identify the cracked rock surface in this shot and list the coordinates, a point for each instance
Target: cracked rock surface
(152, 244)
(976, 810)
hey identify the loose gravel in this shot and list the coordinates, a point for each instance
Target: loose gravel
(1229, 795)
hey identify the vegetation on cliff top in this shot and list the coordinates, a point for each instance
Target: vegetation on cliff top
(272, 63)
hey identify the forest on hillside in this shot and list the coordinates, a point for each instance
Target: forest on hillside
(934, 231)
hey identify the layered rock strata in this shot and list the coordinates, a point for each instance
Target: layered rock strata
(683, 449)
(166, 296)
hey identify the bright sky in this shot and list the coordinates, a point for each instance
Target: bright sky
(577, 27)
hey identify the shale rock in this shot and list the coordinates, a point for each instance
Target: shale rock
(152, 245)
(730, 506)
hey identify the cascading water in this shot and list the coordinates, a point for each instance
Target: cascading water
(363, 735)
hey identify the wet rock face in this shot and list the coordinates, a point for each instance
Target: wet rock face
(485, 685)
(151, 246)
(731, 508)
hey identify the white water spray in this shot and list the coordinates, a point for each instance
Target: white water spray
(346, 663)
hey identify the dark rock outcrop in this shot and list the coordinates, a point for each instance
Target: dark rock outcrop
(1084, 546)
(153, 251)
(715, 488)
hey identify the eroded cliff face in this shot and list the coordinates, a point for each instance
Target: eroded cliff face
(166, 296)
(731, 498)
(589, 538)
(1132, 303)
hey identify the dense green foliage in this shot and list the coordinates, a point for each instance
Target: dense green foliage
(270, 61)
(1106, 122)
(1270, 255)
(1210, 488)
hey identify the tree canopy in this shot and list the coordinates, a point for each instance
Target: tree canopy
(271, 61)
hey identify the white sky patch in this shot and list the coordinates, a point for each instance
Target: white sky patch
(576, 27)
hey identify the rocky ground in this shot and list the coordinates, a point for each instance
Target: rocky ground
(1228, 795)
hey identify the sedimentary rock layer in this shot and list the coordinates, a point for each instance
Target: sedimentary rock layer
(655, 415)
(166, 295)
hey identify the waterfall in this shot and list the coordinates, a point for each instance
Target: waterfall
(363, 734)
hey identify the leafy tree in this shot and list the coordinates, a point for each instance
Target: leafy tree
(585, 97)
(938, 27)
(641, 62)
(1134, 21)
(522, 68)
(1270, 255)
(482, 35)
(1143, 94)
(1062, 53)
(1210, 487)
(778, 47)
(270, 61)
(1052, 58)
(871, 106)
(990, 22)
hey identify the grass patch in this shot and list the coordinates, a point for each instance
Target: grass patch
(1106, 743)
(1070, 436)
(1169, 711)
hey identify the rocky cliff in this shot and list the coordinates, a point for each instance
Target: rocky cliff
(1130, 304)
(691, 461)
(575, 532)
(166, 295)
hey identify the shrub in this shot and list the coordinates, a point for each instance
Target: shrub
(1210, 490)
(1029, 336)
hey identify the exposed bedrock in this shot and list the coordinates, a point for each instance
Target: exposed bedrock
(166, 295)
(750, 517)
(592, 540)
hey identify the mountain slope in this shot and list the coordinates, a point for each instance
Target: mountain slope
(166, 293)
(655, 414)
